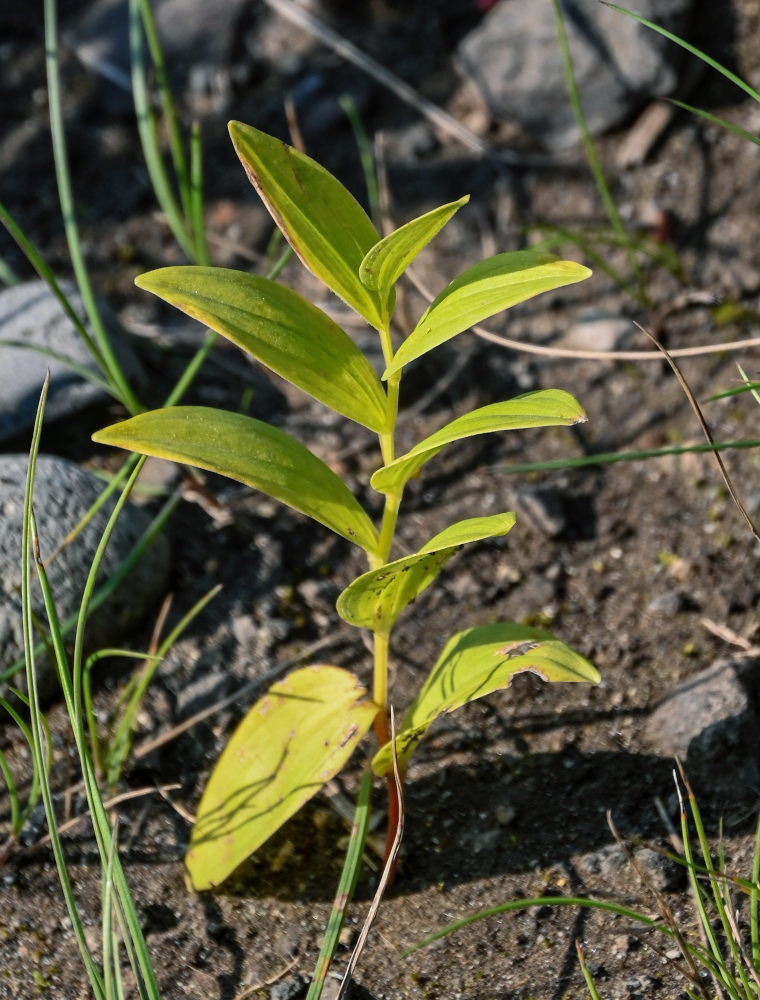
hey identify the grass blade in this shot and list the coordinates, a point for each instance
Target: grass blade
(65, 194)
(590, 150)
(609, 458)
(689, 48)
(715, 120)
(39, 743)
(346, 886)
(146, 127)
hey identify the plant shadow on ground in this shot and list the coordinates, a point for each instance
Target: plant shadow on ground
(502, 816)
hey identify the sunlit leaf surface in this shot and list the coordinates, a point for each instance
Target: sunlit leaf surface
(297, 737)
(327, 228)
(475, 663)
(482, 291)
(281, 330)
(376, 599)
(251, 452)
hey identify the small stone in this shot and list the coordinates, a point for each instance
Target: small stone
(709, 717)
(515, 61)
(63, 494)
(596, 330)
(668, 603)
(505, 815)
(31, 314)
(347, 937)
(288, 989)
(660, 871)
(543, 507)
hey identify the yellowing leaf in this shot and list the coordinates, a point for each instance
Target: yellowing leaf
(282, 330)
(328, 229)
(482, 291)
(251, 452)
(376, 599)
(475, 663)
(388, 259)
(297, 737)
(542, 408)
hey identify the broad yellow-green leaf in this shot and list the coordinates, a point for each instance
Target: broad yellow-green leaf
(282, 330)
(388, 259)
(376, 599)
(475, 663)
(328, 229)
(482, 291)
(541, 408)
(297, 737)
(251, 452)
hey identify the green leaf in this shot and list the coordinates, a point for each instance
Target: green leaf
(388, 259)
(251, 452)
(376, 599)
(541, 408)
(475, 663)
(282, 330)
(482, 291)
(328, 229)
(297, 737)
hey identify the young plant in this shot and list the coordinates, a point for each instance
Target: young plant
(302, 732)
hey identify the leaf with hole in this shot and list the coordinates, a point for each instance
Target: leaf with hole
(281, 330)
(328, 229)
(478, 662)
(297, 737)
(542, 408)
(483, 290)
(376, 599)
(388, 259)
(251, 452)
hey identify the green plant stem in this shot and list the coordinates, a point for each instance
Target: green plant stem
(112, 367)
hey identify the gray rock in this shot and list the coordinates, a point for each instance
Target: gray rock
(515, 60)
(670, 602)
(596, 330)
(63, 493)
(710, 718)
(656, 868)
(543, 507)
(30, 313)
(197, 34)
(287, 989)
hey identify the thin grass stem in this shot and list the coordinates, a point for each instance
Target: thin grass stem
(39, 264)
(195, 213)
(38, 746)
(148, 132)
(111, 364)
(346, 886)
(179, 161)
(590, 150)
(689, 48)
(366, 156)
